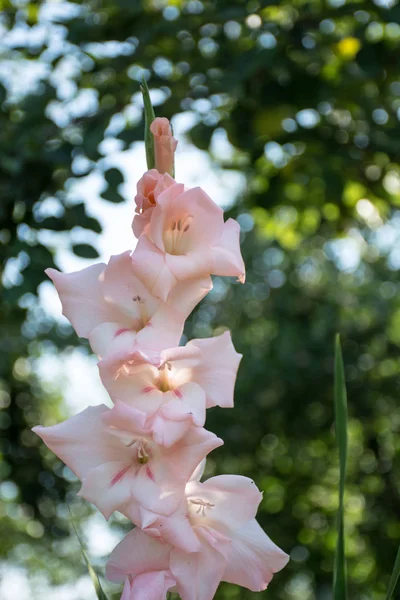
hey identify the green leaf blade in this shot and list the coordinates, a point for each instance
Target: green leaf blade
(340, 577)
(149, 117)
(93, 575)
(394, 577)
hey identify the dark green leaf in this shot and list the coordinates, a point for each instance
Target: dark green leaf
(114, 177)
(394, 577)
(85, 251)
(340, 578)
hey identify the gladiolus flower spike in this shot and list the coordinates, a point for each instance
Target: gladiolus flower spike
(145, 456)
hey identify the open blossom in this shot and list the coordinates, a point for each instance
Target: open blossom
(149, 187)
(119, 463)
(113, 309)
(232, 546)
(164, 145)
(175, 392)
(186, 238)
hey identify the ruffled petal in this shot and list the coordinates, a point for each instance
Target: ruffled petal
(216, 372)
(137, 553)
(125, 418)
(206, 226)
(186, 402)
(134, 385)
(150, 266)
(253, 558)
(82, 442)
(183, 457)
(183, 356)
(175, 530)
(81, 297)
(167, 433)
(227, 258)
(233, 501)
(151, 586)
(191, 265)
(126, 592)
(197, 574)
(109, 486)
(112, 339)
(126, 291)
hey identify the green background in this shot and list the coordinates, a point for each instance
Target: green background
(308, 94)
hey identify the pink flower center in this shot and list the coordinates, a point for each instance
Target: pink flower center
(176, 237)
(142, 317)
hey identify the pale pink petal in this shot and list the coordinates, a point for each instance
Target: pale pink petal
(216, 372)
(82, 299)
(122, 288)
(206, 218)
(166, 325)
(149, 187)
(164, 145)
(175, 530)
(157, 224)
(233, 499)
(190, 265)
(134, 385)
(151, 586)
(184, 457)
(109, 486)
(227, 257)
(199, 471)
(82, 442)
(137, 553)
(181, 301)
(157, 489)
(150, 266)
(109, 339)
(160, 484)
(140, 222)
(197, 574)
(125, 418)
(167, 433)
(253, 558)
(126, 592)
(182, 356)
(186, 402)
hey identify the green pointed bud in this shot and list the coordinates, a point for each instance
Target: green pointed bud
(149, 117)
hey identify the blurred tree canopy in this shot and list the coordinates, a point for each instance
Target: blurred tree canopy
(308, 95)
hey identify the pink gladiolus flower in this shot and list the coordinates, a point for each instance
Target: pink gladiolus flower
(175, 393)
(113, 309)
(149, 187)
(164, 145)
(119, 463)
(232, 546)
(186, 238)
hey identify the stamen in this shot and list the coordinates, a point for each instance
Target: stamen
(142, 452)
(203, 505)
(163, 381)
(174, 241)
(143, 315)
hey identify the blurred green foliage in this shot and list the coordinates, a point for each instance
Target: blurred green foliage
(308, 95)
